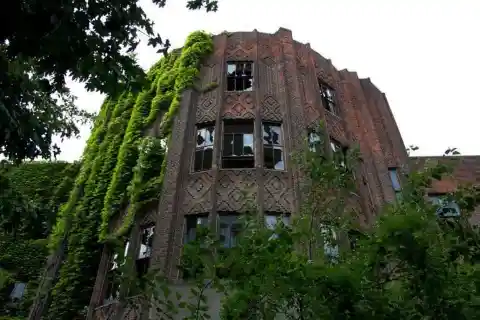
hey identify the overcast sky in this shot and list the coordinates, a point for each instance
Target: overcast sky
(424, 54)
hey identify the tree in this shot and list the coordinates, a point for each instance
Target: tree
(43, 43)
(411, 264)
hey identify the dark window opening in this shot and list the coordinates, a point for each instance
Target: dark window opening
(446, 208)
(339, 152)
(238, 145)
(240, 76)
(229, 229)
(328, 97)
(112, 290)
(192, 223)
(142, 266)
(142, 262)
(204, 148)
(315, 142)
(273, 146)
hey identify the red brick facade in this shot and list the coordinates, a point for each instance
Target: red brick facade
(285, 91)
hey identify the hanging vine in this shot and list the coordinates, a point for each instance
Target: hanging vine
(122, 171)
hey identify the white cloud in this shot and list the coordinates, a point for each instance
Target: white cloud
(423, 54)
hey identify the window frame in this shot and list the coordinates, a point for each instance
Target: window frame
(273, 146)
(198, 127)
(342, 150)
(202, 220)
(283, 216)
(313, 146)
(444, 203)
(253, 133)
(329, 101)
(234, 217)
(243, 77)
(142, 260)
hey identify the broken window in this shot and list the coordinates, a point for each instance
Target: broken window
(114, 263)
(339, 152)
(112, 291)
(145, 251)
(204, 148)
(18, 291)
(238, 144)
(229, 229)
(271, 220)
(315, 143)
(273, 146)
(328, 97)
(330, 246)
(239, 76)
(446, 208)
(192, 223)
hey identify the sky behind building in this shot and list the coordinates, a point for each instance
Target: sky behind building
(424, 54)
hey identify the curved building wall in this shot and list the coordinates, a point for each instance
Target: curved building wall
(285, 91)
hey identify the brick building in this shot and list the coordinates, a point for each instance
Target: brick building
(272, 90)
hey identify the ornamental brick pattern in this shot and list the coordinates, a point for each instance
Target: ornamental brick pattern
(285, 90)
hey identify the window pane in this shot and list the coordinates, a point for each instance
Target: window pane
(231, 69)
(394, 178)
(334, 146)
(270, 222)
(268, 161)
(246, 84)
(230, 84)
(201, 137)
(238, 145)
(248, 144)
(207, 158)
(278, 158)
(146, 243)
(228, 145)
(234, 233)
(197, 165)
(18, 290)
(272, 134)
(314, 142)
(209, 136)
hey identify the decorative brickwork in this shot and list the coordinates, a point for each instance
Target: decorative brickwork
(285, 90)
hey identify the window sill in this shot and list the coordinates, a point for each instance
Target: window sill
(245, 91)
(275, 170)
(333, 114)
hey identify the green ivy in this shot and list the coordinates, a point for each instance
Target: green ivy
(122, 172)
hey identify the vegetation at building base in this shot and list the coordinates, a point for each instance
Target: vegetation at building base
(30, 195)
(93, 43)
(122, 172)
(411, 264)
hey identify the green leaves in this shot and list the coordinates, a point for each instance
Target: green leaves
(409, 265)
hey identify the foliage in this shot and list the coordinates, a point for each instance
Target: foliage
(92, 42)
(122, 171)
(30, 195)
(411, 264)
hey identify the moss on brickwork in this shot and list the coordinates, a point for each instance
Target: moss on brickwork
(122, 172)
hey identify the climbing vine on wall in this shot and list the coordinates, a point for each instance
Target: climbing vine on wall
(122, 171)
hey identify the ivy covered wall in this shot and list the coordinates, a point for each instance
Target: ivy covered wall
(122, 172)
(30, 195)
